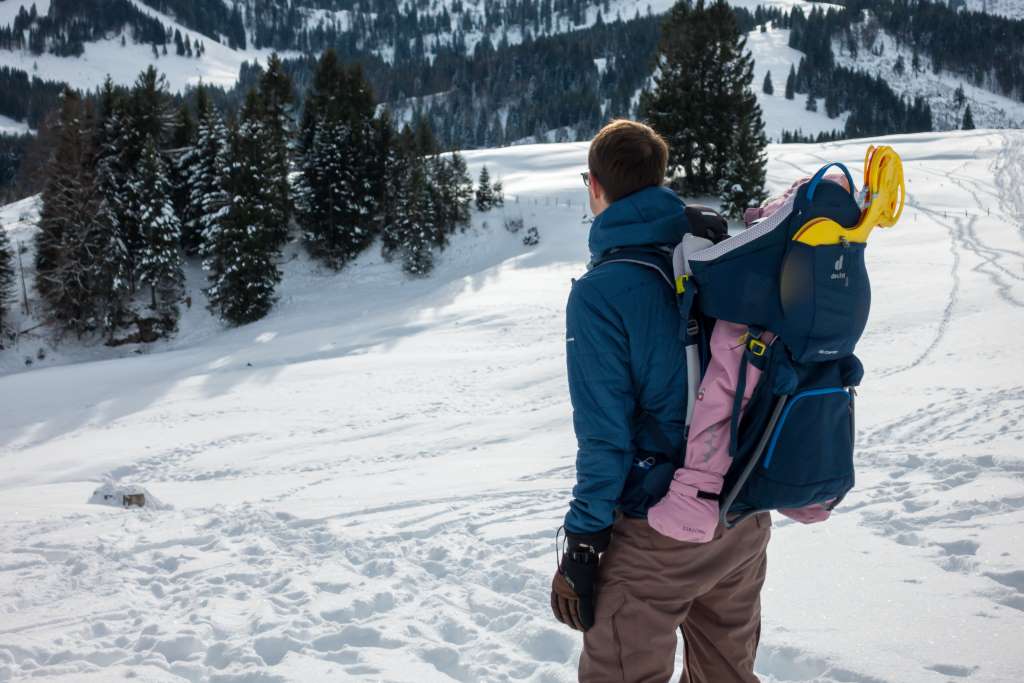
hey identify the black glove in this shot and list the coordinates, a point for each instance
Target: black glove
(574, 587)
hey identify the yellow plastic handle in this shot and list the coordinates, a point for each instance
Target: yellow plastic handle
(884, 195)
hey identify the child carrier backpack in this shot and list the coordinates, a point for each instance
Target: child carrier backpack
(797, 283)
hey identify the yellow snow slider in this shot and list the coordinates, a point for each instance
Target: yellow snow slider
(884, 192)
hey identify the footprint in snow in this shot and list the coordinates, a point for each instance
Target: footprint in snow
(953, 670)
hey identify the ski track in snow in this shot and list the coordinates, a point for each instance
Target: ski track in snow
(376, 498)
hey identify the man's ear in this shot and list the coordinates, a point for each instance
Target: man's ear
(596, 191)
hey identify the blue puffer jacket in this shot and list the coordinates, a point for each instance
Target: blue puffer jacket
(627, 372)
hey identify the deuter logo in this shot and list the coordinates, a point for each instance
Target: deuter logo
(840, 274)
(827, 352)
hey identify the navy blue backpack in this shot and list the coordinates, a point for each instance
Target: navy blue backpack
(794, 445)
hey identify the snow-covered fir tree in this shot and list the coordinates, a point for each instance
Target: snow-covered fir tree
(462, 189)
(242, 244)
(452, 190)
(145, 120)
(276, 99)
(767, 86)
(328, 195)
(337, 194)
(159, 261)
(413, 231)
(485, 199)
(113, 285)
(743, 183)
(204, 170)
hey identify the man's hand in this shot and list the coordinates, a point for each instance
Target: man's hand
(574, 587)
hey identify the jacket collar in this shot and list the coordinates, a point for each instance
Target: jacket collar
(649, 217)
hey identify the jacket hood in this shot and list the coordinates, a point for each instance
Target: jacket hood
(651, 216)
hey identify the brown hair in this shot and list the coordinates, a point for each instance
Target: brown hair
(627, 156)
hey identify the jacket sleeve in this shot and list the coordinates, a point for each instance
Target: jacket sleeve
(603, 402)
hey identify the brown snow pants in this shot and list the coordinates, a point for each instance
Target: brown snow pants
(651, 586)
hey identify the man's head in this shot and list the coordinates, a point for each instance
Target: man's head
(625, 156)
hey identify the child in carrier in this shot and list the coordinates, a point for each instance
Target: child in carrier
(776, 357)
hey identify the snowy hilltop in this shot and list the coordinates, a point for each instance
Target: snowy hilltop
(475, 68)
(365, 484)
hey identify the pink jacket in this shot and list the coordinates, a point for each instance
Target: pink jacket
(775, 203)
(681, 514)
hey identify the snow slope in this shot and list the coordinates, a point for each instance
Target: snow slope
(988, 109)
(218, 66)
(365, 485)
(9, 126)
(772, 53)
(1014, 9)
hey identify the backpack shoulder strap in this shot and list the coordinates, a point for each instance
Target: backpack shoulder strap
(649, 257)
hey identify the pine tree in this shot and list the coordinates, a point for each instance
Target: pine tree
(743, 183)
(959, 97)
(414, 230)
(832, 108)
(111, 289)
(7, 280)
(63, 258)
(241, 246)
(327, 202)
(276, 99)
(114, 279)
(145, 119)
(791, 83)
(811, 104)
(391, 164)
(767, 87)
(158, 265)
(204, 173)
(150, 116)
(968, 122)
(337, 194)
(462, 189)
(484, 191)
(183, 139)
(704, 67)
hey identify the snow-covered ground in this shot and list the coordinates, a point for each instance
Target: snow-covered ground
(9, 126)
(365, 485)
(1014, 9)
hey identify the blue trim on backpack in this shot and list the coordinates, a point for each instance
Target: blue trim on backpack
(785, 413)
(813, 185)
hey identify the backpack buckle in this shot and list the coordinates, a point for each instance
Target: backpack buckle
(757, 347)
(681, 283)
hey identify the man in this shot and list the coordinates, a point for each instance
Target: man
(627, 587)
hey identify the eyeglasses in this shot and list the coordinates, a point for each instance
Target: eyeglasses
(586, 178)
